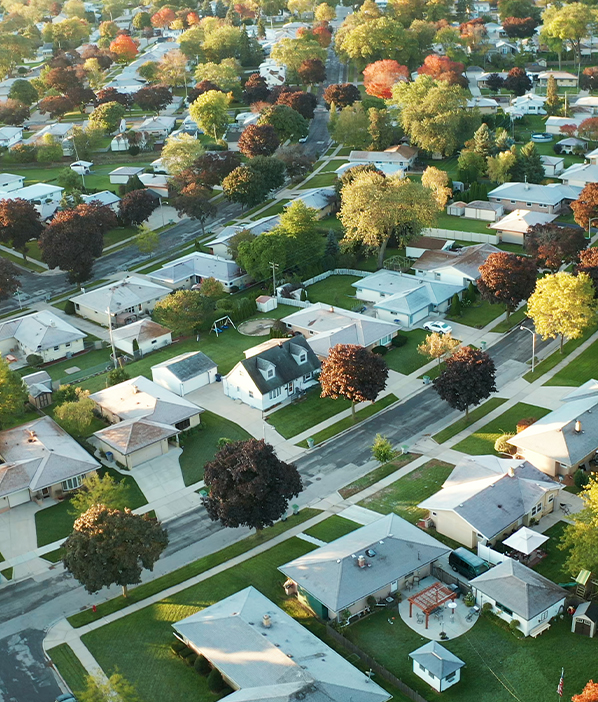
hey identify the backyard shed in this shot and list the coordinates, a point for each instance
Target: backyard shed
(585, 619)
(265, 303)
(185, 373)
(456, 209)
(436, 665)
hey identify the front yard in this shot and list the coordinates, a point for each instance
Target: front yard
(310, 410)
(478, 314)
(584, 368)
(407, 359)
(332, 528)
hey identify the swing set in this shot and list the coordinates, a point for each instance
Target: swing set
(221, 325)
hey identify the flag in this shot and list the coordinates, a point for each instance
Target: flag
(561, 682)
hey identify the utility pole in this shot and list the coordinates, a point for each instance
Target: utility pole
(274, 267)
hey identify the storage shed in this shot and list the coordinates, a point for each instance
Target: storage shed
(185, 373)
(265, 303)
(436, 665)
(456, 208)
(585, 619)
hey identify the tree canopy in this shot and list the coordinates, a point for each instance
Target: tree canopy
(507, 279)
(13, 394)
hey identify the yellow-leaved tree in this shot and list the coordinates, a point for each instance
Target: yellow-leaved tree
(438, 345)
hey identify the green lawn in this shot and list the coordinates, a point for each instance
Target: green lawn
(553, 566)
(89, 359)
(582, 369)
(476, 414)
(332, 165)
(407, 359)
(28, 416)
(311, 410)
(56, 522)
(69, 666)
(446, 221)
(514, 320)
(320, 180)
(336, 290)
(201, 447)
(403, 496)
(332, 528)
(556, 357)
(482, 441)
(31, 265)
(478, 314)
(348, 422)
(376, 475)
(276, 208)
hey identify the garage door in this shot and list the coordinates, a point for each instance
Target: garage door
(18, 498)
(582, 628)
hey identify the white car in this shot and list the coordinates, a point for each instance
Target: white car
(439, 327)
(82, 167)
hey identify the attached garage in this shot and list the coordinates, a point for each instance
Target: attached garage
(18, 498)
(135, 441)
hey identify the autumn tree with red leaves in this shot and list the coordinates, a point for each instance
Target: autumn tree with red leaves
(19, 223)
(553, 245)
(124, 47)
(442, 68)
(312, 71)
(380, 76)
(341, 94)
(258, 140)
(518, 27)
(136, 206)
(588, 263)
(163, 18)
(255, 89)
(323, 36)
(507, 279)
(588, 694)
(468, 379)
(302, 102)
(588, 129)
(586, 205)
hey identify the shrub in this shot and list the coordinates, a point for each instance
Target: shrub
(469, 600)
(471, 292)
(399, 341)
(501, 445)
(371, 600)
(215, 681)
(514, 624)
(380, 350)
(278, 330)
(116, 376)
(303, 295)
(202, 666)
(34, 360)
(177, 646)
(581, 478)
(486, 608)
(525, 423)
(69, 307)
(190, 659)
(134, 150)
(455, 310)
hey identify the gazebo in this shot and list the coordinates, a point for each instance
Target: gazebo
(525, 540)
(431, 598)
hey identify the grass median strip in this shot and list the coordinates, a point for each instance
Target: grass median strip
(465, 422)
(576, 374)
(376, 475)
(348, 422)
(514, 320)
(556, 357)
(69, 666)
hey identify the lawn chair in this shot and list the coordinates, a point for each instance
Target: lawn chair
(419, 618)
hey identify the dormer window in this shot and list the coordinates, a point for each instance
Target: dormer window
(270, 373)
(303, 358)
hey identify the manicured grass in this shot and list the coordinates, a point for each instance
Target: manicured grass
(446, 221)
(7, 573)
(556, 357)
(97, 424)
(320, 180)
(336, 290)
(311, 410)
(201, 447)
(553, 566)
(56, 522)
(482, 441)
(499, 666)
(403, 496)
(461, 424)
(332, 165)
(276, 208)
(28, 416)
(348, 422)
(332, 528)
(407, 359)
(21, 262)
(139, 644)
(114, 236)
(578, 372)
(332, 222)
(141, 592)
(69, 666)
(376, 475)
(514, 320)
(54, 556)
(478, 314)
(89, 359)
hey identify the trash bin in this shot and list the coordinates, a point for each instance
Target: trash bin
(218, 378)
(295, 509)
(310, 442)
(426, 379)
(483, 345)
(109, 456)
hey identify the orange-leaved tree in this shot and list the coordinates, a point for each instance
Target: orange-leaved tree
(380, 76)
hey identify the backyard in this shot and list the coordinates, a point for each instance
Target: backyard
(310, 410)
(553, 566)
(335, 290)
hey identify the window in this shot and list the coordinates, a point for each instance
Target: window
(68, 345)
(513, 202)
(270, 372)
(551, 498)
(185, 424)
(451, 677)
(251, 393)
(506, 610)
(421, 667)
(303, 358)
(543, 616)
(56, 348)
(154, 341)
(529, 204)
(72, 483)
(306, 377)
(274, 393)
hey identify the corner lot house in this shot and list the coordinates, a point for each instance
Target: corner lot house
(105, 197)
(42, 333)
(219, 245)
(190, 270)
(264, 654)
(436, 665)
(517, 592)
(185, 373)
(375, 560)
(567, 438)
(513, 228)
(124, 302)
(487, 498)
(454, 267)
(272, 373)
(39, 459)
(550, 199)
(159, 127)
(141, 337)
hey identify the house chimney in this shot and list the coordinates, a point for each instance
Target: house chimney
(135, 389)
(361, 561)
(578, 427)
(511, 472)
(266, 621)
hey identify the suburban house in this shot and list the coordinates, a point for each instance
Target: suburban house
(588, 103)
(141, 337)
(272, 373)
(436, 665)
(401, 156)
(321, 199)
(456, 267)
(528, 104)
(46, 198)
(159, 127)
(123, 302)
(59, 130)
(553, 124)
(376, 560)
(219, 245)
(123, 140)
(416, 247)
(487, 498)
(388, 169)
(39, 387)
(273, 73)
(123, 173)
(553, 165)
(404, 299)
(39, 459)
(512, 228)
(185, 373)
(104, 197)
(325, 326)
(144, 416)
(567, 438)
(572, 145)
(41, 333)
(517, 592)
(192, 269)
(10, 136)
(580, 174)
(551, 198)
(506, 48)
(10, 182)
(483, 77)
(287, 661)
(562, 78)
(485, 106)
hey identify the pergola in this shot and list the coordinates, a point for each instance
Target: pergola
(431, 598)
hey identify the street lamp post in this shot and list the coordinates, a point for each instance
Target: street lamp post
(112, 291)
(72, 140)
(533, 333)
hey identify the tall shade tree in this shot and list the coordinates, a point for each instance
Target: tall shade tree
(312, 71)
(302, 102)
(112, 547)
(569, 23)
(517, 81)
(107, 117)
(468, 379)
(506, 279)
(136, 207)
(9, 278)
(193, 200)
(580, 538)
(172, 69)
(249, 485)
(153, 97)
(13, 395)
(19, 223)
(438, 346)
(437, 181)
(381, 38)
(23, 91)
(374, 208)
(258, 140)
(353, 372)
(124, 48)
(287, 122)
(499, 167)
(99, 490)
(585, 207)
(245, 186)
(341, 95)
(292, 52)
(553, 245)
(588, 263)
(225, 74)
(210, 112)
(352, 127)
(380, 76)
(180, 152)
(182, 312)
(562, 305)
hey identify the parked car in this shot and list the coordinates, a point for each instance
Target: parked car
(67, 697)
(467, 563)
(439, 327)
(82, 167)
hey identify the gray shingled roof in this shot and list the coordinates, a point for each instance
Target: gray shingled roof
(188, 365)
(467, 260)
(134, 434)
(436, 659)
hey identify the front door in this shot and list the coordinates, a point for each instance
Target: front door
(393, 586)
(290, 388)
(45, 492)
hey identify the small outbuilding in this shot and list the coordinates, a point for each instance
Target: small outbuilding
(141, 337)
(585, 619)
(457, 209)
(39, 387)
(185, 373)
(266, 303)
(436, 665)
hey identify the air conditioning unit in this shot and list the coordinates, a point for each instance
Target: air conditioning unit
(69, 354)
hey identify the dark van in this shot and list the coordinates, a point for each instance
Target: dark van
(467, 563)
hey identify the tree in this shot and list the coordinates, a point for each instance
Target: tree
(256, 255)
(287, 123)
(210, 112)
(437, 181)
(211, 168)
(297, 162)
(13, 113)
(382, 450)
(588, 263)
(590, 691)
(380, 76)
(222, 43)
(381, 38)
(108, 31)
(562, 305)
(529, 167)
(163, 18)
(225, 74)
(500, 166)
(353, 372)
(255, 89)
(149, 71)
(245, 186)
(211, 288)
(193, 200)
(96, 490)
(249, 485)
(554, 245)
(302, 102)
(589, 78)
(580, 538)
(112, 95)
(68, 34)
(341, 94)
(324, 12)
(114, 689)
(13, 395)
(153, 97)
(180, 153)
(380, 129)
(517, 8)
(517, 81)
(146, 239)
(553, 101)
(107, 117)
(9, 279)
(468, 379)
(112, 547)
(312, 71)
(586, 205)
(495, 82)
(172, 69)
(438, 346)
(142, 20)
(569, 23)
(293, 52)
(22, 91)
(374, 208)
(507, 279)
(588, 129)
(48, 149)
(124, 48)
(471, 166)
(19, 223)
(483, 142)
(442, 68)
(519, 27)
(182, 312)
(76, 417)
(300, 224)
(135, 207)
(55, 105)
(258, 140)
(352, 127)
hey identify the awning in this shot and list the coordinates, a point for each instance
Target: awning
(525, 540)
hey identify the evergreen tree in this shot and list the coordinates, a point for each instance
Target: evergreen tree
(502, 140)
(244, 49)
(206, 9)
(553, 101)
(528, 166)
(220, 9)
(332, 249)
(483, 141)
(455, 310)
(261, 28)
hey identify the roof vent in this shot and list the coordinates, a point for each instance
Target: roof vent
(266, 621)
(135, 390)
(511, 472)
(578, 427)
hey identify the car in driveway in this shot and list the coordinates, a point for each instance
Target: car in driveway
(67, 697)
(438, 327)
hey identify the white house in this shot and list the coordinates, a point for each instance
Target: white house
(389, 169)
(46, 198)
(562, 78)
(59, 130)
(528, 104)
(530, 196)
(141, 337)
(580, 174)
(43, 334)
(513, 228)
(125, 301)
(272, 373)
(320, 199)
(273, 73)
(190, 270)
(483, 210)
(454, 267)
(185, 373)
(572, 145)
(402, 156)
(553, 165)
(10, 182)
(553, 124)
(123, 140)
(219, 245)
(104, 197)
(485, 106)
(123, 173)
(159, 127)
(518, 593)
(588, 103)
(10, 136)
(436, 665)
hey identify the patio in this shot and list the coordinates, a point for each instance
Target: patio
(445, 623)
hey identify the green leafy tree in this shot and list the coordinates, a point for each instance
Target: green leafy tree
(352, 127)
(182, 312)
(97, 490)
(225, 74)
(438, 346)
(292, 52)
(116, 376)
(500, 166)
(245, 186)
(256, 255)
(382, 450)
(381, 38)
(553, 101)
(528, 166)
(22, 91)
(76, 417)
(146, 240)
(471, 166)
(483, 142)
(221, 43)
(271, 170)
(180, 152)
(13, 395)
(286, 122)
(115, 689)
(580, 537)
(569, 23)
(210, 111)
(9, 278)
(107, 117)
(380, 129)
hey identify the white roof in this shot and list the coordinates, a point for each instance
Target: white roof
(157, 123)
(552, 194)
(32, 192)
(587, 172)
(520, 221)
(558, 75)
(259, 226)
(481, 102)
(551, 160)
(9, 132)
(389, 169)
(127, 170)
(525, 540)
(128, 292)
(12, 177)
(318, 198)
(104, 197)
(40, 331)
(198, 264)
(528, 98)
(588, 101)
